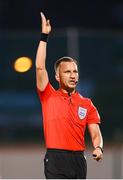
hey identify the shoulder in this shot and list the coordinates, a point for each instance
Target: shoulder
(83, 98)
(47, 92)
(48, 87)
(86, 100)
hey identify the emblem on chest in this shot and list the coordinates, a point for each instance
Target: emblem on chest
(82, 112)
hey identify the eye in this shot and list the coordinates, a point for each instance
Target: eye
(75, 71)
(68, 71)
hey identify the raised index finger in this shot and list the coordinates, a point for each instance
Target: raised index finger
(43, 17)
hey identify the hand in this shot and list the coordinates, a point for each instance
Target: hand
(97, 154)
(46, 27)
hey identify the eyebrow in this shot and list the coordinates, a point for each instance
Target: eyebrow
(70, 70)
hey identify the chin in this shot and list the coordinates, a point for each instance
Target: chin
(71, 88)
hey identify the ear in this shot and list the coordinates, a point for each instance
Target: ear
(57, 77)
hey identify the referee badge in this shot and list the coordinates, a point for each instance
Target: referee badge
(82, 112)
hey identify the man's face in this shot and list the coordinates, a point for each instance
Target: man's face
(68, 75)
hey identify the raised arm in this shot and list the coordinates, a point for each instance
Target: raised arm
(41, 72)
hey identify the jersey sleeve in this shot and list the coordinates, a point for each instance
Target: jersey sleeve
(46, 93)
(93, 115)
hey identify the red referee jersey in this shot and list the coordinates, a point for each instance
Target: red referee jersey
(65, 118)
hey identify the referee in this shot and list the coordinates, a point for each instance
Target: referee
(66, 114)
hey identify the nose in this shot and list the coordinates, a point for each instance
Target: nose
(72, 75)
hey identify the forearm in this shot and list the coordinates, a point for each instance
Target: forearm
(96, 135)
(97, 140)
(41, 55)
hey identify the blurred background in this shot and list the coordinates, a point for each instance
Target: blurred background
(89, 31)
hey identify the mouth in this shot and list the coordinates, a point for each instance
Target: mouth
(72, 82)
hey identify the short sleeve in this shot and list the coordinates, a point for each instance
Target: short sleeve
(93, 115)
(46, 93)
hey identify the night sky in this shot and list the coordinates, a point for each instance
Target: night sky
(25, 14)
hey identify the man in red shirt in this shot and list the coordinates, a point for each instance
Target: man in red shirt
(65, 116)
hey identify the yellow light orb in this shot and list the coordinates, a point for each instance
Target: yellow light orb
(22, 64)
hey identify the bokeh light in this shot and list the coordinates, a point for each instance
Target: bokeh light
(22, 64)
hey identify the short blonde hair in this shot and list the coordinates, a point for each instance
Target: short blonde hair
(64, 59)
